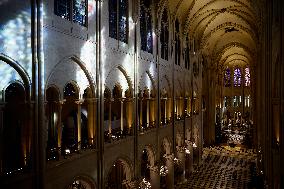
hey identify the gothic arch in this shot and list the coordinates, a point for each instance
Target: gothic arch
(86, 181)
(21, 71)
(151, 154)
(77, 61)
(111, 82)
(127, 168)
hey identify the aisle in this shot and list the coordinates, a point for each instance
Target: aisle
(222, 167)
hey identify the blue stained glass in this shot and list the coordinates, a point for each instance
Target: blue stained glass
(62, 8)
(113, 18)
(146, 27)
(237, 77)
(123, 21)
(247, 77)
(80, 12)
(227, 77)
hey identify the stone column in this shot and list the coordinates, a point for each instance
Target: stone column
(79, 103)
(148, 120)
(59, 125)
(165, 110)
(154, 177)
(181, 160)
(170, 165)
(2, 105)
(121, 115)
(90, 108)
(140, 114)
(109, 117)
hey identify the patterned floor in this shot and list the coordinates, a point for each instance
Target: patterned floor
(222, 167)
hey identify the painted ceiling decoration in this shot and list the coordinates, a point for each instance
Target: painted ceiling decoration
(226, 31)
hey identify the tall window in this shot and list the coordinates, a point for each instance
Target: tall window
(237, 77)
(227, 77)
(75, 10)
(177, 44)
(118, 20)
(164, 35)
(146, 26)
(187, 57)
(247, 77)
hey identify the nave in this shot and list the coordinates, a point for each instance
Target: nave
(224, 167)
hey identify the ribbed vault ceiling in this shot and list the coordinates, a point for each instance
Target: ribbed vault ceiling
(225, 30)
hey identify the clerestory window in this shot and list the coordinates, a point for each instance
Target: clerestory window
(73, 10)
(118, 20)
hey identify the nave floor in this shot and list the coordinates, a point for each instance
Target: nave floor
(222, 167)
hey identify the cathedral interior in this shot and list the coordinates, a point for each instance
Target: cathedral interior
(128, 94)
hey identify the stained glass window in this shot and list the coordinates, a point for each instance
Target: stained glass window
(177, 44)
(123, 21)
(62, 8)
(237, 77)
(118, 20)
(227, 78)
(80, 12)
(146, 26)
(164, 36)
(247, 77)
(112, 18)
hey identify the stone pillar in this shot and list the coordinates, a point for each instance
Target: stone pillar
(165, 110)
(79, 102)
(181, 161)
(121, 115)
(154, 177)
(90, 108)
(109, 118)
(170, 165)
(140, 114)
(2, 105)
(148, 120)
(59, 125)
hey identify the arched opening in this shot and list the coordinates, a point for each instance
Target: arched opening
(81, 182)
(16, 132)
(86, 133)
(70, 115)
(54, 126)
(117, 113)
(117, 176)
(145, 164)
(107, 115)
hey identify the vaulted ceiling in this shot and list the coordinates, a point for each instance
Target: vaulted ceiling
(226, 31)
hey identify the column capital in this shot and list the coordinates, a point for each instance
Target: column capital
(180, 149)
(129, 184)
(79, 101)
(61, 102)
(169, 157)
(154, 168)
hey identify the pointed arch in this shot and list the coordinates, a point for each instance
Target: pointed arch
(21, 71)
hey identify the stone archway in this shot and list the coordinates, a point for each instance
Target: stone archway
(82, 182)
(120, 175)
(15, 117)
